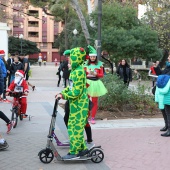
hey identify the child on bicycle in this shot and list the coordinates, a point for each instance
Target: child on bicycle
(19, 84)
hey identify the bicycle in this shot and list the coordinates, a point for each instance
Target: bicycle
(16, 107)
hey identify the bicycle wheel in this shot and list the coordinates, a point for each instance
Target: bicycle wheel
(14, 117)
(21, 117)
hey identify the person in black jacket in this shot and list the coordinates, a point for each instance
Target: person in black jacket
(59, 73)
(10, 60)
(16, 65)
(66, 71)
(124, 72)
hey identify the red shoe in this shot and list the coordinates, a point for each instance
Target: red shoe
(9, 127)
(6, 101)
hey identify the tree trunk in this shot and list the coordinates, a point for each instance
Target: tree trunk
(76, 6)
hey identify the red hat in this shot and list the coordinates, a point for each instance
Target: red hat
(2, 52)
(20, 72)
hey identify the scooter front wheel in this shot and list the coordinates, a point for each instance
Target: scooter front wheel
(46, 155)
(97, 155)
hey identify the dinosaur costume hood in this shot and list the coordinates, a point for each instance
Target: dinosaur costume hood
(77, 57)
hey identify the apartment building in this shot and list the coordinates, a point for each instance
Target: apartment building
(33, 24)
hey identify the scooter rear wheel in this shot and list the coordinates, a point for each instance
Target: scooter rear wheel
(46, 155)
(97, 155)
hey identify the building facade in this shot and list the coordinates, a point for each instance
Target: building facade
(33, 24)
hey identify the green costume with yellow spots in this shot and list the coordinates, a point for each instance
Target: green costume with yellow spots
(76, 93)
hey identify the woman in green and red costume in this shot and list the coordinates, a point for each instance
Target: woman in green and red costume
(94, 71)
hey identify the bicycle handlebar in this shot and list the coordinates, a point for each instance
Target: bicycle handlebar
(15, 94)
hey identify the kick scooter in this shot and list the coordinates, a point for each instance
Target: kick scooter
(46, 155)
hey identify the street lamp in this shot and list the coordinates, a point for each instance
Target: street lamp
(21, 37)
(75, 32)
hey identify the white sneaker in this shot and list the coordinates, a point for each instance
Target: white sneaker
(90, 145)
(66, 142)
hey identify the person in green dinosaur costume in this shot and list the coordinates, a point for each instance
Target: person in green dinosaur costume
(76, 93)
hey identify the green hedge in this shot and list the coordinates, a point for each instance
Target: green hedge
(119, 97)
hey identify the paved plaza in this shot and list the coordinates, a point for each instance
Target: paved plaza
(127, 144)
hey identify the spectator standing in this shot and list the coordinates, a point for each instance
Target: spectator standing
(44, 60)
(164, 72)
(10, 60)
(154, 71)
(5, 80)
(59, 73)
(167, 68)
(162, 96)
(55, 61)
(4, 72)
(16, 65)
(26, 65)
(124, 72)
(40, 59)
(65, 68)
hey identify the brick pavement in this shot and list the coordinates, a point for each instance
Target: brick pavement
(127, 144)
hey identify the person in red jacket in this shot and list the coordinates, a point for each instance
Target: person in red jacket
(19, 84)
(153, 72)
(94, 71)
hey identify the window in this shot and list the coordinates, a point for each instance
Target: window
(33, 34)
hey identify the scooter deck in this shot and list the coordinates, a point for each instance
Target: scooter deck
(82, 158)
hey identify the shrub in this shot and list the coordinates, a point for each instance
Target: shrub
(121, 98)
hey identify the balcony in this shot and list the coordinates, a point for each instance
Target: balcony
(33, 24)
(33, 13)
(33, 35)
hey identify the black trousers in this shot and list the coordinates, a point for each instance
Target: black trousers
(59, 79)
(65, 82)
(87, 126)
(167, 111)
(9, 79)
(4, 117)
(165, 117)
(4, 92)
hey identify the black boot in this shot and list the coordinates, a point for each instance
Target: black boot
(165, 120)
(167, 111)
(166, 134)
(164, 129)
